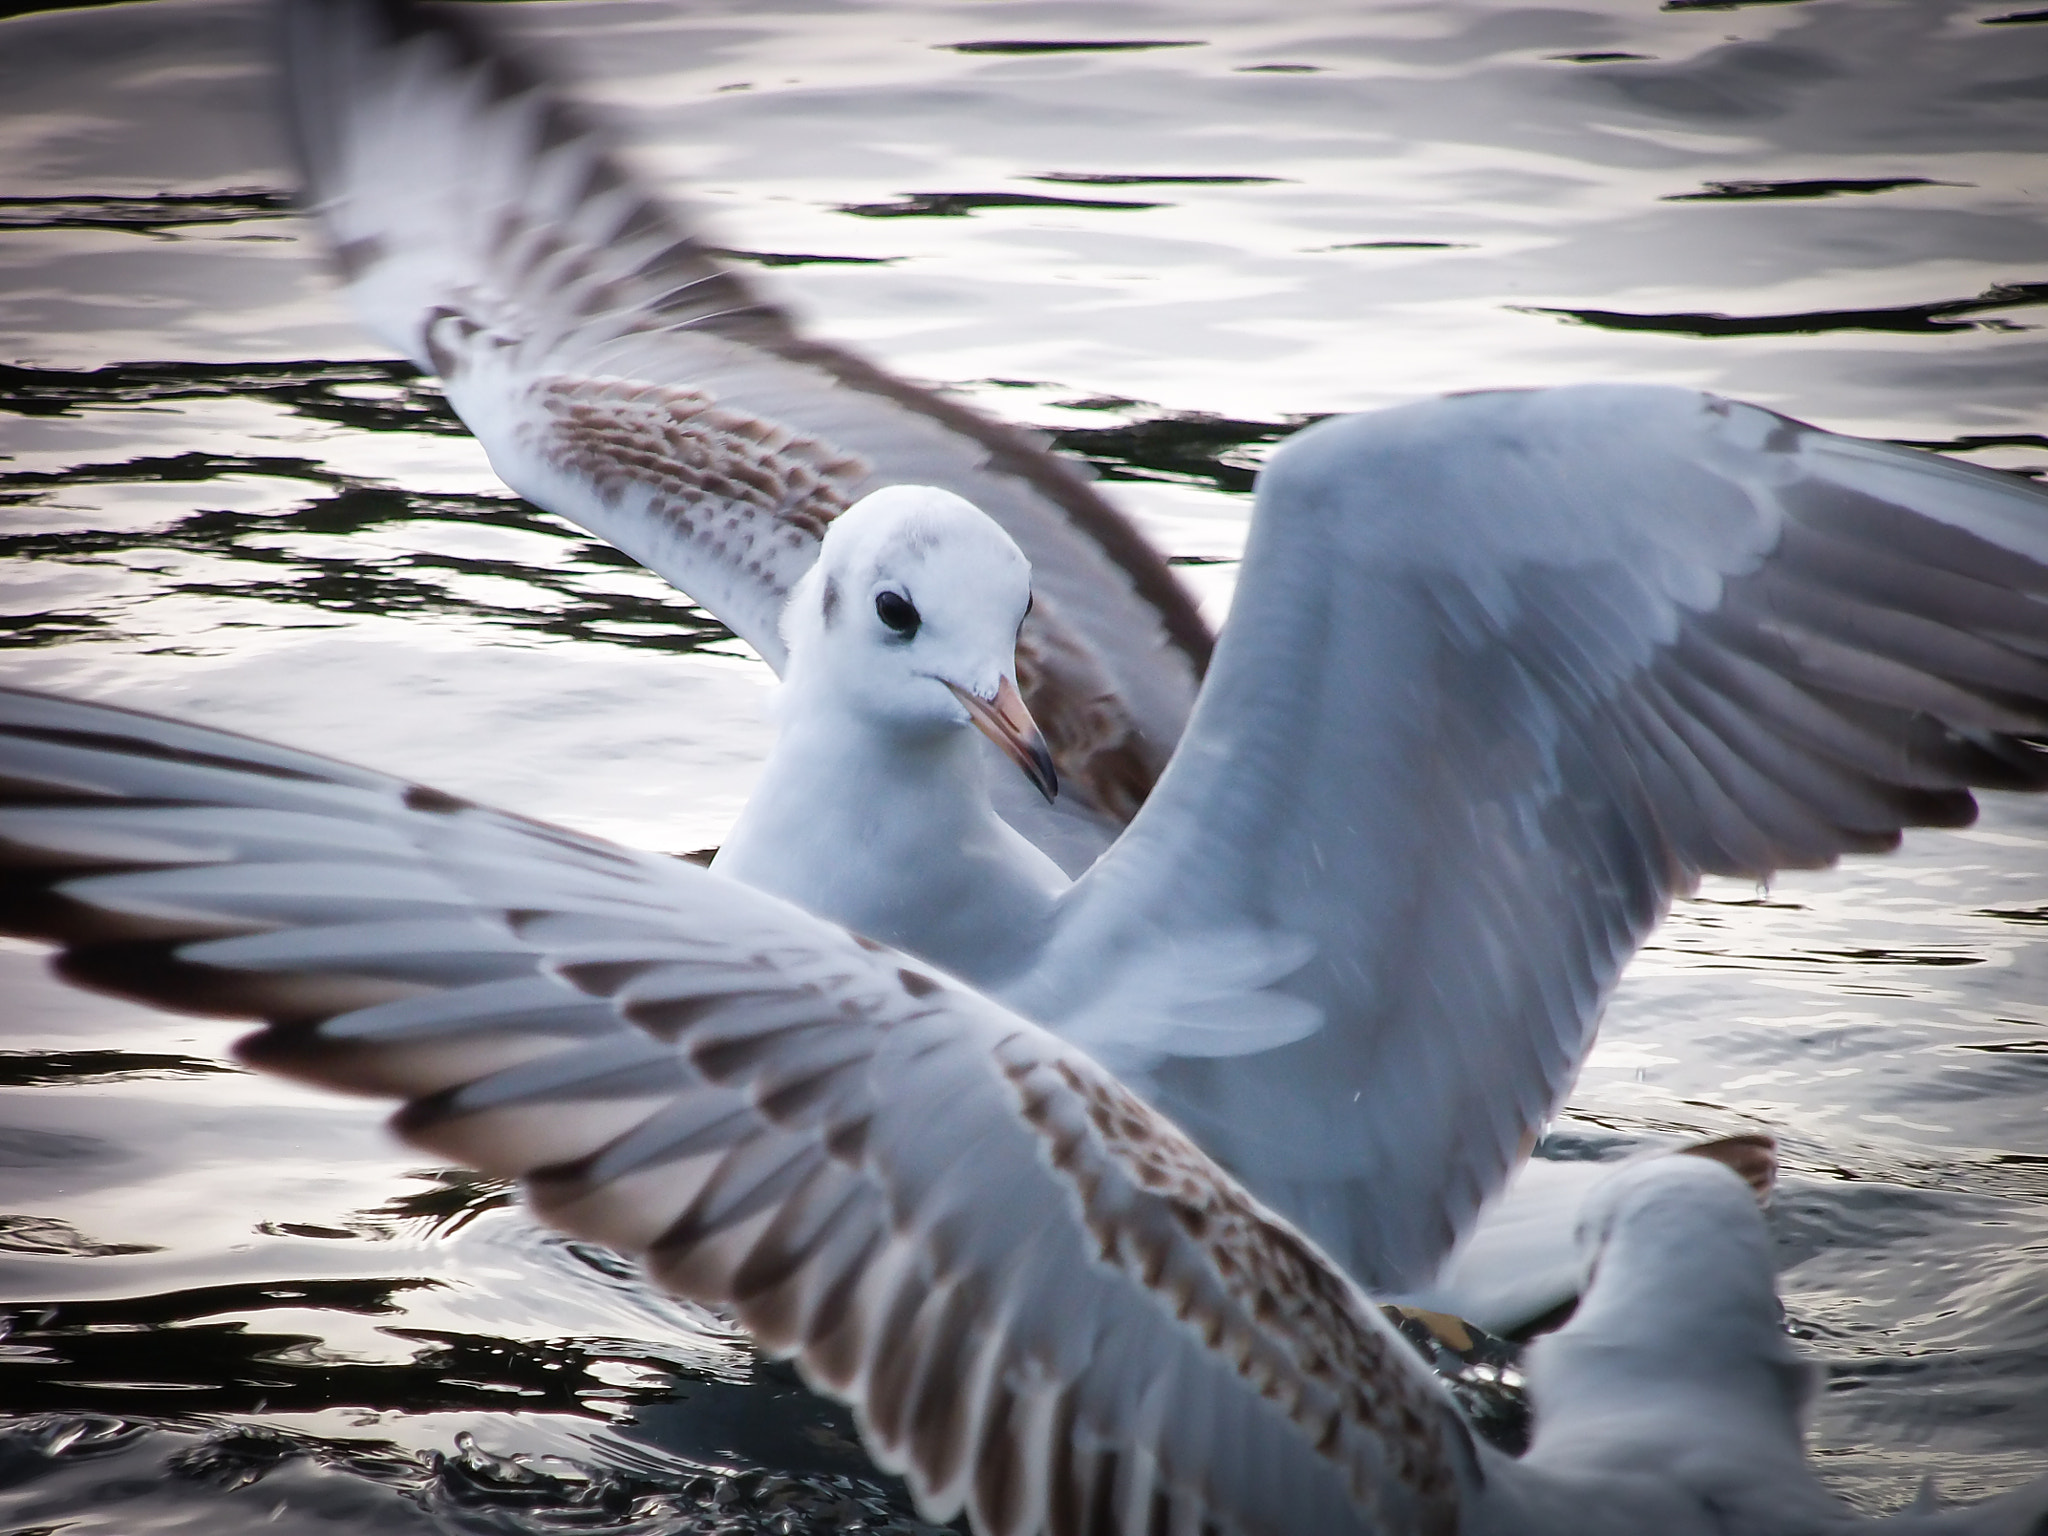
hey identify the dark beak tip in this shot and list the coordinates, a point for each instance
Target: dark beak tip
(1009, 725)
(1047, 779)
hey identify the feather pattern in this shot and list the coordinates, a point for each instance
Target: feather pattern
(620, 374)
(781, 1118)
(1504, 673)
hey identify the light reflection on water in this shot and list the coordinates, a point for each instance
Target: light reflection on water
(220, 503)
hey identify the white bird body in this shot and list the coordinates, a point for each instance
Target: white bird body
(1676, 1369)
(906, 848)
(873, 809)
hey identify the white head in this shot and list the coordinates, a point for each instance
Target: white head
(909, 621)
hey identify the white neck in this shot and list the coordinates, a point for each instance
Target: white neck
(890, 831)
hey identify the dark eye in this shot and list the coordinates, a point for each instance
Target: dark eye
(898, 612)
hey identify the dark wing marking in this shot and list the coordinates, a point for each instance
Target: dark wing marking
(1047, 1306)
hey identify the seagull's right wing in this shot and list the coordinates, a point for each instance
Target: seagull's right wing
(621, 375)
(1504, 672)
(1044, 1303)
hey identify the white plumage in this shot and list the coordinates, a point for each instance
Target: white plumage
(874, 808)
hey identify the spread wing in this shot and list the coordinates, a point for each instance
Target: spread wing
(619, 374)
(1045, 1304)
(1502, 674)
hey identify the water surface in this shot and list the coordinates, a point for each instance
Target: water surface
(1167, 235)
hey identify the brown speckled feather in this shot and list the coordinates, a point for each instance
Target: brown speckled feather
(620, 375)
(787, 1121)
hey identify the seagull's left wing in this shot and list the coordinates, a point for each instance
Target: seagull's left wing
(1043, 1302)
(620, 373)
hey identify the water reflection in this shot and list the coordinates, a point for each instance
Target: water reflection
(1751, 191)
(263, 1481)
(1179, 448)
(1907, 319)
(955, 205)
(1038, 46)
(144, 215)
(358, 549)
(29, 1069)
(368, 396)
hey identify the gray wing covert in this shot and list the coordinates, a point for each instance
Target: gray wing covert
(1505, 672)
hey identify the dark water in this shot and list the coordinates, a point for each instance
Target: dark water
(1167, 235)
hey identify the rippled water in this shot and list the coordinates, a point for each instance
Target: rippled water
(232, 1304)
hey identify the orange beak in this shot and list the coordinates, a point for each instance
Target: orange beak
(1005, 721)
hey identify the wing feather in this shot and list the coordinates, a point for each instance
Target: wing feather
(620, 375)
(1504, 673)
(1047, 1306)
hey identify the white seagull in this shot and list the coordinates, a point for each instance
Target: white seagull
(873, 809)
(1045, 1303)
(1504, 671)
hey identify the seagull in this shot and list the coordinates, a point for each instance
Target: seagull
(873, 808)
(1046, 1304)
(1505, 672)
(873, 811)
